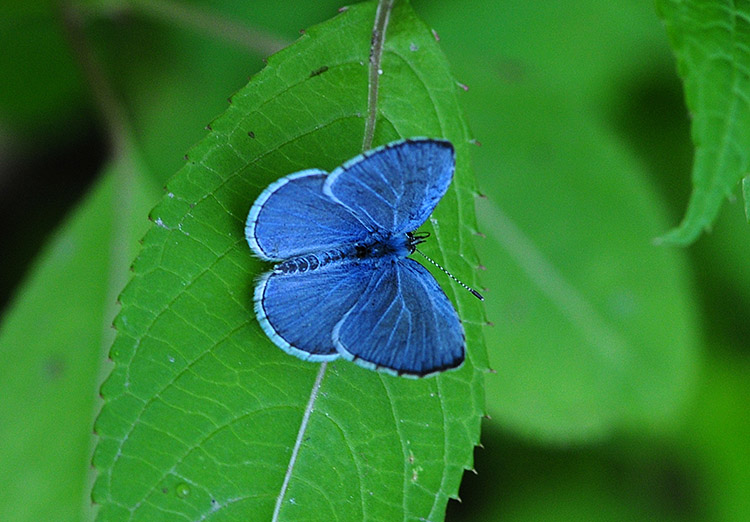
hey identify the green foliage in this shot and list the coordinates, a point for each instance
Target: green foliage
(711, 40)
(199, 398)
(620, 367)
(52, 346)
(583, 289)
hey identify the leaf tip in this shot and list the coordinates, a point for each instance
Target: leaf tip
(683, 235)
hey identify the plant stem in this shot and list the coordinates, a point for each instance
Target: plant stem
(253, 39)
(376, 55)
(109, 107)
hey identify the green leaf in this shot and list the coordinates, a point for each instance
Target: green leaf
(596, 330)
(711, 40)
(53, 340)
(595, 323)
(202, 411)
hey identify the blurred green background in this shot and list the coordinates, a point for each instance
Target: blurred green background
(621, 386)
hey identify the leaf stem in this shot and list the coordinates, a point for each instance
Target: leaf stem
(110, 109)
(300, 435)
(252, 39)
(382, 15)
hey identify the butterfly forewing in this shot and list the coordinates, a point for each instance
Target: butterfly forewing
(396, 187)
(293, 216)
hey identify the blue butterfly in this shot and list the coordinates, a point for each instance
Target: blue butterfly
(343, 284)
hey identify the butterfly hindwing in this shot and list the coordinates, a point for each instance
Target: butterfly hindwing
(402, 322)
(299, 311)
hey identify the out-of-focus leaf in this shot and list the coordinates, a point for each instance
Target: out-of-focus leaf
(52, 343)
(202, 410)
(595, 328)
(711, 40)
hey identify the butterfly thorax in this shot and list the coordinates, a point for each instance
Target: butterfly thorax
(396, 245)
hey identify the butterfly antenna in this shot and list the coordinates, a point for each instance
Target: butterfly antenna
(457, 280)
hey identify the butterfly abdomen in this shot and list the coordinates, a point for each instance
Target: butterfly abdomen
(394, 246)
(315, 261)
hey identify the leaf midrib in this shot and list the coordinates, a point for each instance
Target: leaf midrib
(376, 54)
